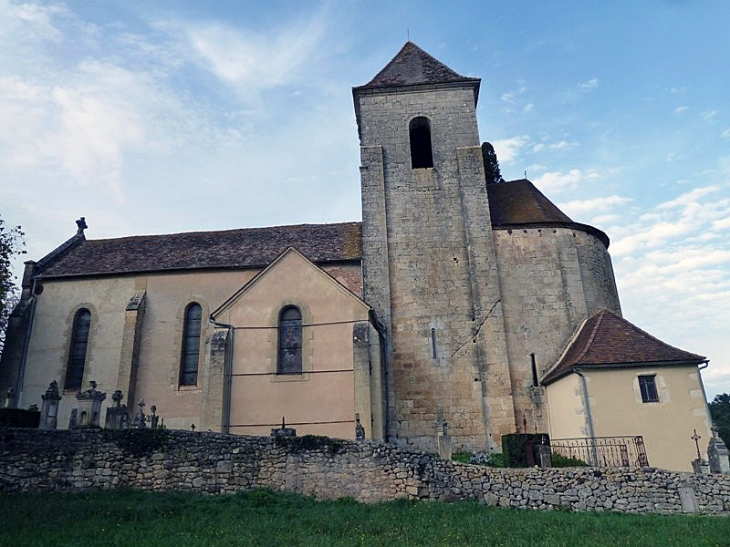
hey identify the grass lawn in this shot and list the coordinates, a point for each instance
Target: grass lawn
(263, 518)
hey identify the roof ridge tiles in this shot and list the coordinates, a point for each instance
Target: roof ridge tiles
(414, 66)
(587, 346)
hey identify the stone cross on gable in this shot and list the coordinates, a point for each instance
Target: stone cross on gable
(81, 225)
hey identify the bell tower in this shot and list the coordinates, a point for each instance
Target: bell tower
(429, 265)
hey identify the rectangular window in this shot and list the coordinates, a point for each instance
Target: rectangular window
(647, 384)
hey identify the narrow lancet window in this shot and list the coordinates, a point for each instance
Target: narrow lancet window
(77, 354)
(191, 345)
(290, 341)
(420, 134)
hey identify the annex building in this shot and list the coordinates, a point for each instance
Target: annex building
(480, 305)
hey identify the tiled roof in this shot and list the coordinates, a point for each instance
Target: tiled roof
(229, 249)
(413, 66)
(520, 203)
(609, 341)
(516, 203)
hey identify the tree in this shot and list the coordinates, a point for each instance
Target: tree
(720, 412)
(491, 164)
(11, 245)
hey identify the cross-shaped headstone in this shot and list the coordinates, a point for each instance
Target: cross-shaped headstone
(696, 438)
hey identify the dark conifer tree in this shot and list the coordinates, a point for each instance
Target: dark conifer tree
(720, 411)
(491, 164)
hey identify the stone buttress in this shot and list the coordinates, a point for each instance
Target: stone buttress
(429, 265)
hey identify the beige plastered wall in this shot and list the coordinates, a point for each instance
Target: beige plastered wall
(166, 295)
(323, 400)
(617, 410)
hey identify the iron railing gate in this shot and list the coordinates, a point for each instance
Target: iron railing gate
(604, 451)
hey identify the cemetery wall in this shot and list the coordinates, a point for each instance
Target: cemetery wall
(212, 463)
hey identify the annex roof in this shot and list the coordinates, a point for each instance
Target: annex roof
(413, 66)
(227, 249)
(606, 340)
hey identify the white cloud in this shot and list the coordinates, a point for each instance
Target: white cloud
(560, 145)
(559, 181)
(590, 206)
(510, 96)
(589, 85)
(509, 149)
(529, 107)
(680, 110)
(86, 124)
(709, 115)
(726, 133)
(34, 20)
(254, 61)
(677, 252)
(688, 198)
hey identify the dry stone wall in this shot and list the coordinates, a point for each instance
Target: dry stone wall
(212, 463)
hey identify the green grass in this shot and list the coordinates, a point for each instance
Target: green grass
(264, 518)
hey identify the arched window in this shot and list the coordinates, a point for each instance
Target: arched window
(77, 354)
(290, 341)
(191, 345)
(420, 133)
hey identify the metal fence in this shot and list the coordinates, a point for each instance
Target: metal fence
(604, 451)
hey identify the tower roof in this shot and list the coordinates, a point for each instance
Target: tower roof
(413, 66)
(609, 341)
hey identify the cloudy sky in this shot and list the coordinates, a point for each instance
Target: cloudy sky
(156, 117)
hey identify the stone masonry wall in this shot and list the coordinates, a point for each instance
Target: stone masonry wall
(430, 272)
(212, 463)
(552, 279)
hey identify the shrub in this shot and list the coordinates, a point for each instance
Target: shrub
(558, 460)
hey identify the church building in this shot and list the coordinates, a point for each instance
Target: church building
(457, 300)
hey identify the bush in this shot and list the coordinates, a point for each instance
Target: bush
(490, 459)
(516, 445)
(558, 460)
(311, 442)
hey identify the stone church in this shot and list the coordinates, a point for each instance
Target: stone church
(455, 301)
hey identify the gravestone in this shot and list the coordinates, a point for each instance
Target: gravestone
(117, 416)
(443, 439)
(49, 407)
(88, 411)
(717, 454)
(359, 429)
(283, 431)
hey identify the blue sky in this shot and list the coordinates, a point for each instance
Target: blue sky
(156, 117)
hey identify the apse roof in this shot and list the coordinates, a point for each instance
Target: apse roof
(519, 203)
(606, 340)
(413, 66)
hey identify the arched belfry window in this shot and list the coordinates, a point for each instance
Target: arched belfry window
(77, 354)
(191, 345)
(420, 134)
(290, 341)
